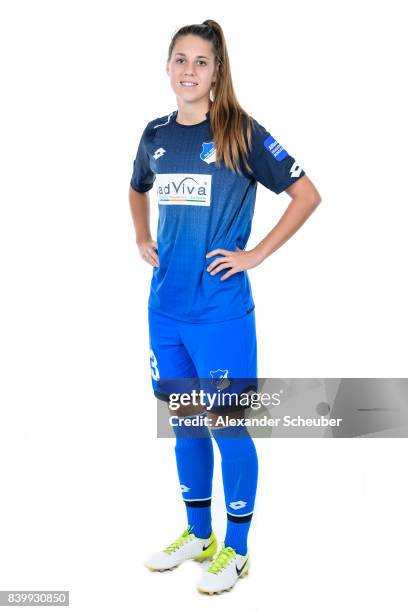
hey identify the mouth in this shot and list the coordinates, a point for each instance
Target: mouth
(188, 84)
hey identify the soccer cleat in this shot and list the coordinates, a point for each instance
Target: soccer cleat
(187, 546)
(224, 571)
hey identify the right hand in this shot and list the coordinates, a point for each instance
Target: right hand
(148, 252)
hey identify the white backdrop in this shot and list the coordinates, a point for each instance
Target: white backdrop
(87, 491)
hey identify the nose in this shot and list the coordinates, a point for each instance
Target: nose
(188, 70)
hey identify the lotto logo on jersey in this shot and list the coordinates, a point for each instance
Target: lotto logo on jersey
(184, 189)
(275, 148)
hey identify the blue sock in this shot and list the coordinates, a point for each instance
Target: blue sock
(239, 462)
(195, 466)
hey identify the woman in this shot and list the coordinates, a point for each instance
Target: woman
(206, 158)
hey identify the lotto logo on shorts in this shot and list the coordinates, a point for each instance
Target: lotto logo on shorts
(275, 148)
(184, 189)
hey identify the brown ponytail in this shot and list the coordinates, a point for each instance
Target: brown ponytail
(227, 116)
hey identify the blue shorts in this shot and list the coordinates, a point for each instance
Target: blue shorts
(214, 357)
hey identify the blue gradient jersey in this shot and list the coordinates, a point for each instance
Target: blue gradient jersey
(203, 207)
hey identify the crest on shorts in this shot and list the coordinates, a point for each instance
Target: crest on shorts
(220, 378)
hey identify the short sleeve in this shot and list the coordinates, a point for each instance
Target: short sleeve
(270, 163)
(142, 177)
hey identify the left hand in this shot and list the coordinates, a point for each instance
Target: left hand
(235, 261)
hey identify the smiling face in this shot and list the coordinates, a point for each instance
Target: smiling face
(192, 68)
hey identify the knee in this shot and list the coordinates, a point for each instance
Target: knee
(191, 432)
(186, 410)
(234, 442)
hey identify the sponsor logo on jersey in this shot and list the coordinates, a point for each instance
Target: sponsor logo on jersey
(275, 148)
(184, 488)
(220, 379)
(159, 153)
(208, 152)
(184, 189)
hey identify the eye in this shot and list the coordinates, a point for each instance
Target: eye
(180, 59)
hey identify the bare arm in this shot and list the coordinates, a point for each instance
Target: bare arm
(140, 209)
(305, 198)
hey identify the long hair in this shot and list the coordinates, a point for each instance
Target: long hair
(227, 117)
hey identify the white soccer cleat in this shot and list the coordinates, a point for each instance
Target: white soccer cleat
(224, 571)
(187, 546)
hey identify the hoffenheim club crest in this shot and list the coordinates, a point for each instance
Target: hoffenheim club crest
(220, 379)
(208, 152)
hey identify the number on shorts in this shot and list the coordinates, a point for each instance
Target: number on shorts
(154, 368)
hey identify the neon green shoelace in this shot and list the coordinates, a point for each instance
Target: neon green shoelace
(186, 535)
(223, 558)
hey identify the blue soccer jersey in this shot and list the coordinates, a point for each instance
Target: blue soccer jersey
(203, 207)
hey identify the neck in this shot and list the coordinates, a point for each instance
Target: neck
(189, 114)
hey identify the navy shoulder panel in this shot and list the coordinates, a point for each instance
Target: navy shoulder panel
(160, 121)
